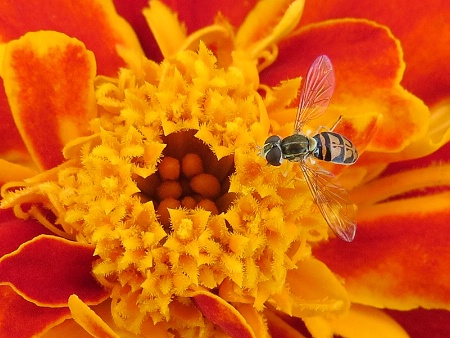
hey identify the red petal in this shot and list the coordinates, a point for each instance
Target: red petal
(189, 11)
(415, 23)
(22, 319)
(423, 323)
(14, 232)
(284, 326)
(96, 23)
(368, 70)
(222, 314)
(399, 258)
(49, 83)
(47, 270)
(132, 12)
(12, 147)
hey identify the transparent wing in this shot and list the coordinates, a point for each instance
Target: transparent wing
(333, 201)
(316, 92)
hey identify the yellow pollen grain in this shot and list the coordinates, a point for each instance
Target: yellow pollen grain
(185, 229)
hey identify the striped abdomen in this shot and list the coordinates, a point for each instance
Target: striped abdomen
(334, 147)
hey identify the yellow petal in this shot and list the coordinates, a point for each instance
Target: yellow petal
(267, 23)
(168, 31)
(88, 319)
(359, 322)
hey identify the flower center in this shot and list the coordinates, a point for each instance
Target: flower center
(189, 176)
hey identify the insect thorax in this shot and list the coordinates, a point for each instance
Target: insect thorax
(297, 147)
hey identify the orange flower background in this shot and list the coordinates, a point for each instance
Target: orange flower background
(262, 251)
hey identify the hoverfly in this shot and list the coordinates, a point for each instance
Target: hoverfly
(332, 200)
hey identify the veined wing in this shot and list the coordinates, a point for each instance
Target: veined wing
(317, 89)
(333, 201)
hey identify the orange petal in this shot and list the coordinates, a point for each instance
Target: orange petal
(417, 23)
(49, 83)
(368, 74)
(96, 23)
(22, 319)
(48, 269)
(222, 314)
(399, 258)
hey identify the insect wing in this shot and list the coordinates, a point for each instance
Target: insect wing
(333, 201)
(316, 92)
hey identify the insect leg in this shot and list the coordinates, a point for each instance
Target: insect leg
(328, 129)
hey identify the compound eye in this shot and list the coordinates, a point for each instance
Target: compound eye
(273, 156)
(273, 139)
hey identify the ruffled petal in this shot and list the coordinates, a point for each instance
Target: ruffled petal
(23, 319)
(398, 246)
(49, 83)
(221, 313)
(368, 74)
(52, 269)
(418, 23)
(96, 23)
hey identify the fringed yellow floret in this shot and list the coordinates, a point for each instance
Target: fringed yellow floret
(172, 192)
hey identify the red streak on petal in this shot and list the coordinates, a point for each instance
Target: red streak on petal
(22, 319)
(49, 83)
(47, 270)
(223, 314)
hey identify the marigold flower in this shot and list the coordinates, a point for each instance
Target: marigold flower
(141, 205)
